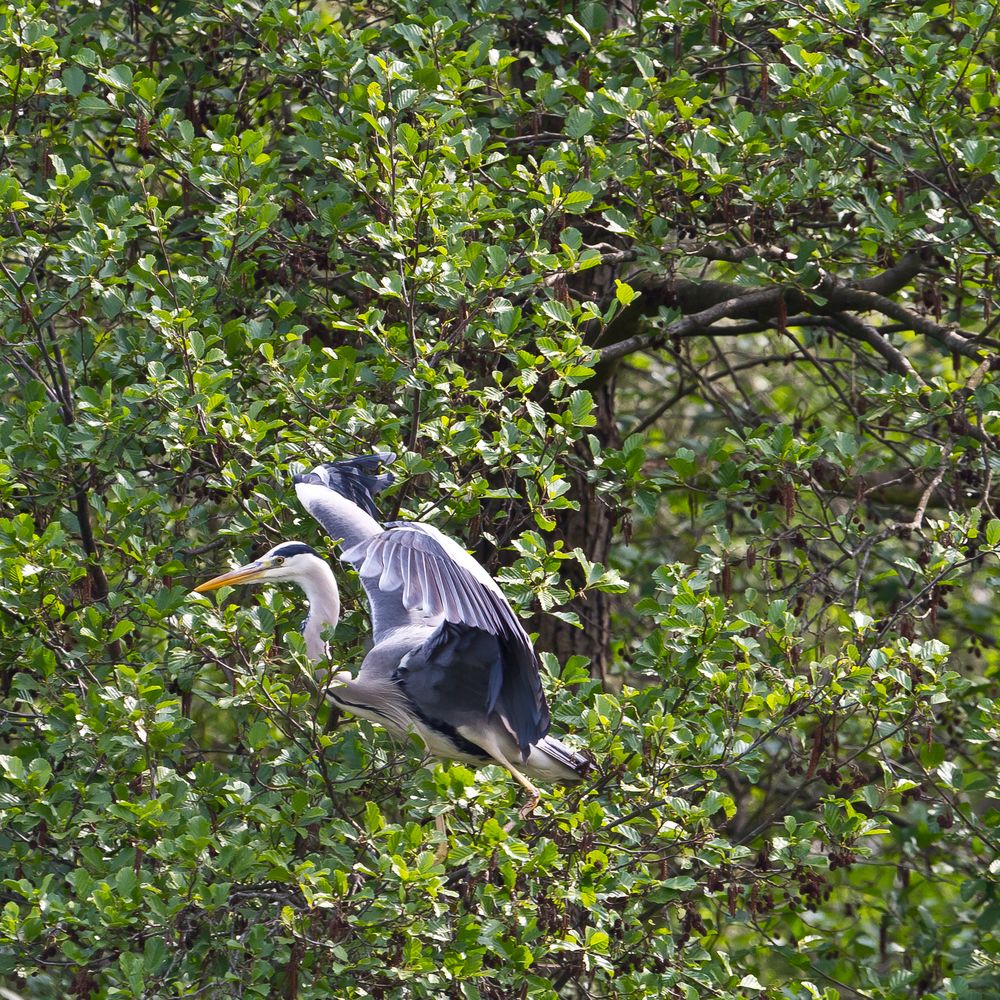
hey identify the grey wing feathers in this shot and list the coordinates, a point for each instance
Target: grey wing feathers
(521, 701)
(356, 479)
(408, 556)
(414, 575)
(340, 495)
(454, 674)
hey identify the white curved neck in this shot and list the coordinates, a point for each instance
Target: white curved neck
(320, 587)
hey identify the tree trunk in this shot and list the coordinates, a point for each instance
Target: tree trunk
(590, 529)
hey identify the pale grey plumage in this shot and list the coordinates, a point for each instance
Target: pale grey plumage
(445, 635)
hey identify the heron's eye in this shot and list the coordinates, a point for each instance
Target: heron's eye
(278, 560)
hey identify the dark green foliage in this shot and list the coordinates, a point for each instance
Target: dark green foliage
(680, 316)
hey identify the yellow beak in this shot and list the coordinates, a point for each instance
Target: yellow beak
(245, 574)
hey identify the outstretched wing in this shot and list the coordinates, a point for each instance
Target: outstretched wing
(411, 569)
(341, 495)
(478, 659)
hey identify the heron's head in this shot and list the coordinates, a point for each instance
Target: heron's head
(291, 562)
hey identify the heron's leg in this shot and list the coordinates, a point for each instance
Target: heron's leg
(533, 793)
(490, 744)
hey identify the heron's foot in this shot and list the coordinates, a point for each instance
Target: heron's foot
(529, 807)
(524, 812)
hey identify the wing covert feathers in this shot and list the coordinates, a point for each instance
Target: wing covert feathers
(409, 556)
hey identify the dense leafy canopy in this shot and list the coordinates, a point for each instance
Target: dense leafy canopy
(679, 315)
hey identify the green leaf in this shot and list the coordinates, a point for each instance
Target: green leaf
(578, 27)
(682, 883)
(624, 293)
(116, 77)
(12, 766)
(581, 408)
(579, 122)
(557, 311)
(374, 821)
(577, 201)
(74, 80)
(992, 532)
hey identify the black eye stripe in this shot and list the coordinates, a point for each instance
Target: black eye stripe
(292, 549)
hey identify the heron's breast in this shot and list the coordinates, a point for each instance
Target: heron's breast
(448, 745)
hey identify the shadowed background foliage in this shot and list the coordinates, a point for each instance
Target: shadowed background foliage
(679, 315)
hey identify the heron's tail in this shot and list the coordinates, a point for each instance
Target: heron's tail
(356, 479)
(551, 760)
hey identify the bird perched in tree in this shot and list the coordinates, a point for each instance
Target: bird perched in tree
(450, 661)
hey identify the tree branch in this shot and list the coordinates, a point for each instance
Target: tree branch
(855, 328)
(739, 306)
(707, 302)
(858, 299)
(894, 278)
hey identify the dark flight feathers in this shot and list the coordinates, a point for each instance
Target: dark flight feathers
(356, 479)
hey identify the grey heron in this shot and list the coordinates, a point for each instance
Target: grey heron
(450, 662)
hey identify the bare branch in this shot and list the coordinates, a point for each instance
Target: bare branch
(736, 255)
(917, 521)
(707, 302)
(855, 328)
(741, 305)
(858, 299)
(894, 278)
